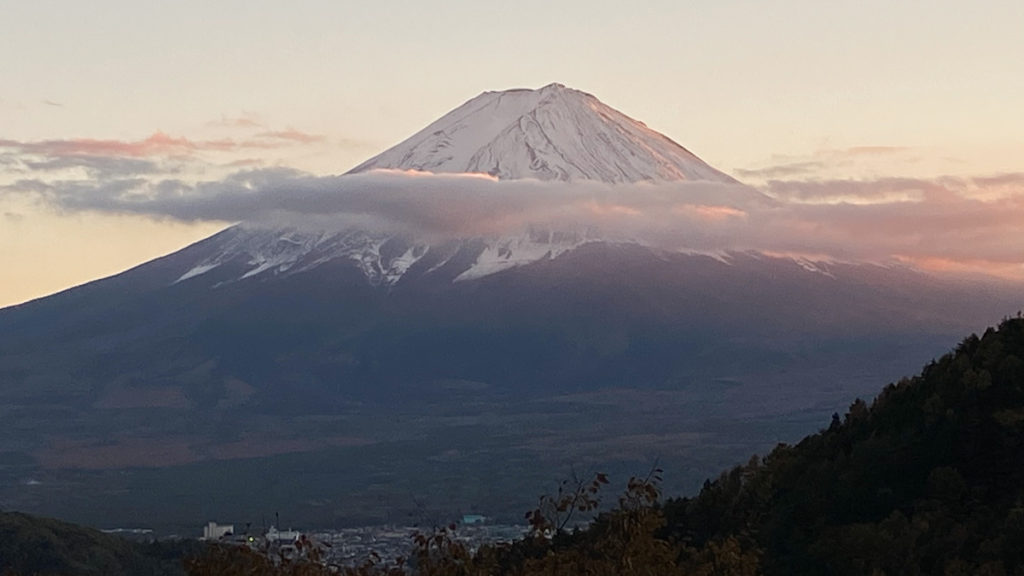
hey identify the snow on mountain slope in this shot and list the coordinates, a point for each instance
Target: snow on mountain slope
(553, 133)
(505, 253)
(384, 260)
(260, 250)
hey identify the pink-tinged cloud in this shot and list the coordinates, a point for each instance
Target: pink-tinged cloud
(1013, 271)
(157, 144)
(599, 209)
(708, 213)
(941, 224)
(292, 135)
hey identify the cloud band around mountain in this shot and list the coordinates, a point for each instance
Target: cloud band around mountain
(949, 222)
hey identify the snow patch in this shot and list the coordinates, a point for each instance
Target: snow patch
(815, 267)
(509, 253)
(399, 266)
(196, 271)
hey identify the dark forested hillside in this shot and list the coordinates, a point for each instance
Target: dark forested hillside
(44, 547)
(929, 479)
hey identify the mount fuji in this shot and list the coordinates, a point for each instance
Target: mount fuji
(554, 133)
(325, 370)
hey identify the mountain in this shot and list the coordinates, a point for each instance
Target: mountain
(554, 133)
(349, 374)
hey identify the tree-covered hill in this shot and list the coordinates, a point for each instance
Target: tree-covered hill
(42, 546)
(928, 479)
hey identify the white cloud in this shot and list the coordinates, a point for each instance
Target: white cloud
(972, 222)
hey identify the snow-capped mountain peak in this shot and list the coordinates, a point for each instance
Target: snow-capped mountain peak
(552, 133)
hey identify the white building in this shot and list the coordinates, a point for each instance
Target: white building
(214, 531)
(282, 536)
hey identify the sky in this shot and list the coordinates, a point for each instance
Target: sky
(890, 130)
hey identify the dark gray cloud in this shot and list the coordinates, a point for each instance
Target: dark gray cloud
(27, 186)
(785, 170)
(1015, 179)
(853, 191)
(434, 204)
(826, 160)
(98, 167)
(870, 150)
(244, 121)
(10, 161)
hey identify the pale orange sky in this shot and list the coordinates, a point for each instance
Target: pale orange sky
(799, 91)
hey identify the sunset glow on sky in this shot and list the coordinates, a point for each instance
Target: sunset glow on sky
(897, 124)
